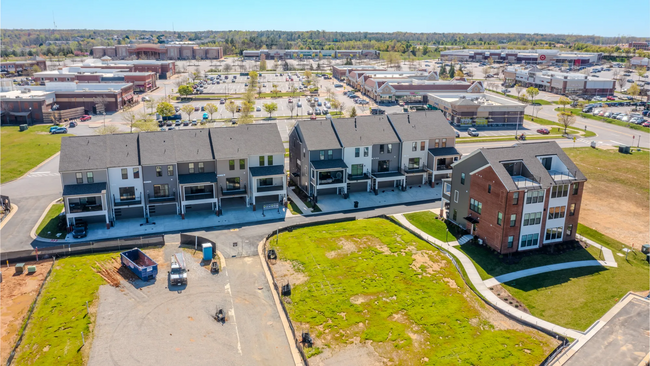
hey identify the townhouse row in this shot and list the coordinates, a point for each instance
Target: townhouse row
(368, 153)
(516, 198)
(111, 177)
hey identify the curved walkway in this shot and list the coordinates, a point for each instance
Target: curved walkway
(480, 286)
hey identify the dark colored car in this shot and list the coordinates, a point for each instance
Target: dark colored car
(377, 111)
(79, 231)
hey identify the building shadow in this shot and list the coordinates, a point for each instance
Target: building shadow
(555, 278)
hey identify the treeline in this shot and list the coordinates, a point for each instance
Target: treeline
(18, 42)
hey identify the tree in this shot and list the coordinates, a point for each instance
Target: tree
(180, 81)
(100, 103)
(452, 71)
(634, 91)
(459, 73)
(308, 74)
(249, 96)
(275, 90)
(341, 107)
(211, 108)
(254, 78)
(532, 93)
(145, 122)
(245, 117)
(165, 109)
(291, 107)
(621, 83)
(130, 118)
(108, 130)
(185, 90)
(270, 108)
(566, 119)
(352, 112)
(227, 68)
(486, 70)
(443, 71)
(231, 107)
(641, 71)
(263, 65)
(188, 109)
(564, 101)
(335, 103)
(150, 104)
(293, 90)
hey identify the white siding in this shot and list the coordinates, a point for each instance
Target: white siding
(348, 157)
(116, 182)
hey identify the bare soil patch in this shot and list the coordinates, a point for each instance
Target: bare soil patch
(422, 258)
(356, 354)
(284, 272)
(18, 294)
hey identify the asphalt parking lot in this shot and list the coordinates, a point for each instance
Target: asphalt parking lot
(157, 324)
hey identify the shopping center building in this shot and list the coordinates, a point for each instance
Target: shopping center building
(180, 51)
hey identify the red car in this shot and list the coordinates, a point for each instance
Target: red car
(543, 131)
(313, 116)
(85, 118)
(646, 124)
(611, 98)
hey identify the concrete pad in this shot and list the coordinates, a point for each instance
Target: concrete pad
(386, 196)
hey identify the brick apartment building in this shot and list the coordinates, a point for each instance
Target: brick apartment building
(516, 198)
(20, 67)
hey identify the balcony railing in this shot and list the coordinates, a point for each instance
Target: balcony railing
(198, 196)
(363, 176)
(323, 182)
(79, 208)
(270, 188)
(158, 199)
(409, 169)
(443, 167)
(127, 202)
(234, 190)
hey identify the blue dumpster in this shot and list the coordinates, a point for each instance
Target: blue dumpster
(140, 263)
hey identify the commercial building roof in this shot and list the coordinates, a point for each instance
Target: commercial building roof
(318, 134)
(364, 131)
(421, 125)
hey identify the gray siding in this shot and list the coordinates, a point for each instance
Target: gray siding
(466, 166)
(100, 176)
(223, 167)
(150, 179)
(315, 154)
(393, 157)
(209, 166)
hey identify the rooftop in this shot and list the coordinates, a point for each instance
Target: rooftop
(421, 125)
(318, 134)
(364, 131)
(482, 99)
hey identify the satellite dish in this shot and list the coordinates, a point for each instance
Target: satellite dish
(339, 175)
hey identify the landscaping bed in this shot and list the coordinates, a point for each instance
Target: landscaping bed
(370, 292)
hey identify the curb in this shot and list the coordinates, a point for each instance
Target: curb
(32, 233)
(14, 208)
(285, 322)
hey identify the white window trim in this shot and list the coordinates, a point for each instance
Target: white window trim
(456, 196)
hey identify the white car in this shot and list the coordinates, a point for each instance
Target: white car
(258, 109)
(625, 118)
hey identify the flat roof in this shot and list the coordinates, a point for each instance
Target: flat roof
(18, 94)
(483, 99)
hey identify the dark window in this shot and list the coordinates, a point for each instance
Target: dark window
(201, 168)
(136, 173)
(242, 164)
(462, 178)
(538, 218)
(422, 145)
(366, 151)
(547, 163)
(381, 149)
(269, 160)
(322, 155)
(158, 171)
(414, 163)
(330, 154)
(125, 173)
(231, 165)
(513, 220)
(551, 212)
(575, 188)
(127, 193)
(572, 209)
(261, 160)
(489, 188)
(475, 206)
(499, 218)
(170, 170)
(511, 240)
(356, 169)
(161, 190)
(90, 178)
(569, 230)
(515, 198)
(414, 146)
(383, 166)
(196, 190)
(232, 184)
(357, 152)
(190, 167)
(265, 182)
(80, 178)
(454, 215)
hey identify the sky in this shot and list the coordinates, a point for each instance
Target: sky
(469, 16)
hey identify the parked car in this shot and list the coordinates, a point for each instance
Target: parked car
(79, 231)
(646, 124)
(377, 111)
(222, 101)
(206, 116)
(258, 108)
(299, 104)
(72, 124)
(611, 98)
(186, 122)
(58, 130)
(472, 132)
(85, 118)
(543, 131)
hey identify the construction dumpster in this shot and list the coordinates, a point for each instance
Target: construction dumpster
(140, 264)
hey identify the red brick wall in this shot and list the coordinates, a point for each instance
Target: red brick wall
(494, 202)
(573, 220)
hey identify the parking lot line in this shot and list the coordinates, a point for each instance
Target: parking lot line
(232, 311)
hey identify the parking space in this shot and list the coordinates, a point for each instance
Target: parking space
(159, 324)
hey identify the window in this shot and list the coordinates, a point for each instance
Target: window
(356, 169)
(529, 240)
(556, 212)
(572, 209)
(265, 182)
(125, 173)
(80, 178)
(170, 170)
(136, 173)
(261, 161)
(546, 162)
(381, 149)
(390, 148)
(158, 171)
(127, 193)
(444, 142)
(538, 218)
(560, 191)
(513, 220)
(366, 151)
(90, 178)
(201, 168)
(462, 178)
(489, 188)
(511, 240)
(231, 165)
(321, 155)
(534, 218)
(526, 219)
(454, 215)
(414, 146)
(232, 184)
(330, 154)
(242, 164)
(422, 145)
(456, 196)
(437, 144)
(536, 196)
(414, 163)
(551, 212)
(575, 188)
(190, 168)
(357, 151)
(553, 233)
(383, 166)
(196, 190)
(161, 190)
(499, 218)
(475, 206)
(515, 198)
(569, 230)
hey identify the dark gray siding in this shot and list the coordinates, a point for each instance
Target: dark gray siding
(150, 179)
(393, 157)
(209, 166)
(466, 165)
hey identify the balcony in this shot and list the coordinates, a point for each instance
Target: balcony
(79, 208)
(443, 167)
(234, 191)
(131, 201)
(199, 196)
(412, 169)
(270, 188)
(162, 199)
(358, 177)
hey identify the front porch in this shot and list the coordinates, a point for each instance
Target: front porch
(387, 180)
(328, 176)
(269, 184)
(198, 192)
(86, 203)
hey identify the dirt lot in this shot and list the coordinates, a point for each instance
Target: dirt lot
(18, 293)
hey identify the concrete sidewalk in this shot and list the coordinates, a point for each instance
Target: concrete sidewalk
(485, 292)
(295, 199)
(538, 270)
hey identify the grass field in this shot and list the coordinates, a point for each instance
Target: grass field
(615, 198)
(48, 228)
(22, 151)
(464, 140)
(53, 336)
(576, 298)
(487, 263)
(551, 125)
(372, 282)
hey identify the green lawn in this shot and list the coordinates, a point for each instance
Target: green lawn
(578, 112)
(576, 298)
(281, 94)
(464, 140)
(53, 336)
(551, 124)
(48, 228)
(374, 281)
(294, 208)
(427, 221)
(22, 151)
